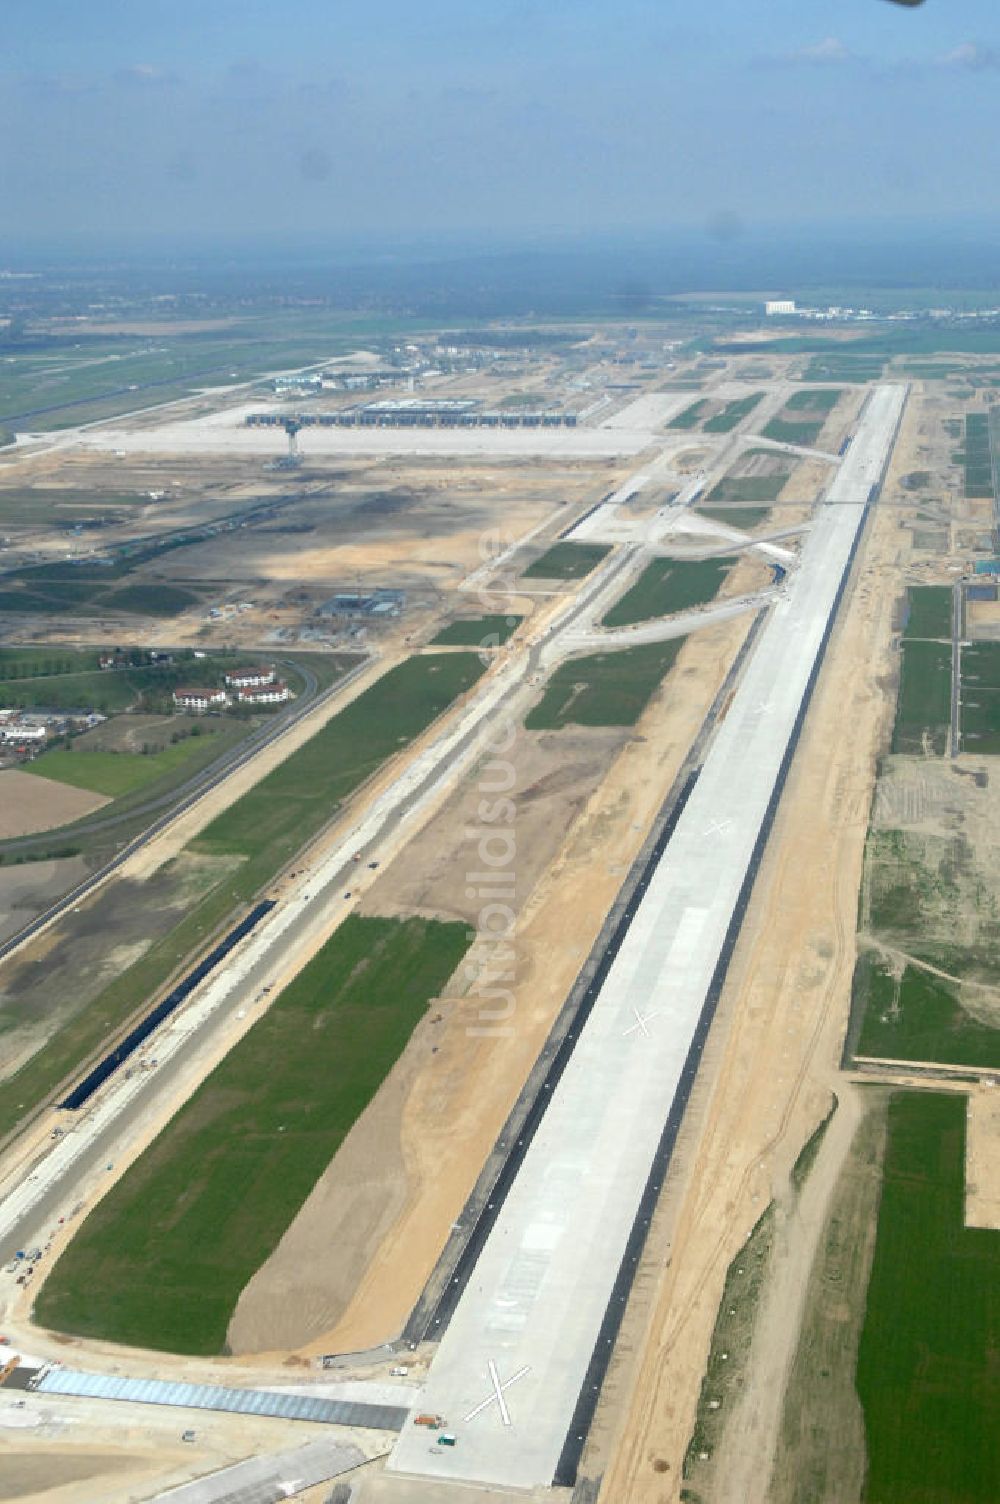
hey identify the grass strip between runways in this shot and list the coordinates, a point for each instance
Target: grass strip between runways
(162, 1259)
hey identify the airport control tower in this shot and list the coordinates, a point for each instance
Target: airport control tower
(293, 459)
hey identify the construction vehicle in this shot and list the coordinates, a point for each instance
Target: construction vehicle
(432, 1422)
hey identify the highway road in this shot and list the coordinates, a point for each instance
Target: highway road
(518, 1370)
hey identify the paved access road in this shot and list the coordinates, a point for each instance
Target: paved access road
(518, 1355)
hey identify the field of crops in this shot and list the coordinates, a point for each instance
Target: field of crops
(917, 1016)
(923, 709)
(929, 610)
(978, 462)
(926, 1373)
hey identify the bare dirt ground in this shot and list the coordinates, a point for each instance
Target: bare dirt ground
(555, 773)
(453, 1104)
(983, 620)
(769, 1070)
(58, 1451)
(29, 804)
(982, 1159)
(821, 1446)
(56, 974)
(935, 838)
(30, 887)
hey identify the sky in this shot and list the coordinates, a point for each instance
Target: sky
(512, 120)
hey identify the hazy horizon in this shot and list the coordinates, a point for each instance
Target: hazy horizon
(525, 123)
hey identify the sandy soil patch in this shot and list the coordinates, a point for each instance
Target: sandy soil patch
(465, 1084)
(982, 1159)
(29, 803)
(555, 773)
(770, 1066)
(983, 619)
(26, 1475)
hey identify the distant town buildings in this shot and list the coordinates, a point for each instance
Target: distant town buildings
(20, 733)
(26, 732)
(777, 306)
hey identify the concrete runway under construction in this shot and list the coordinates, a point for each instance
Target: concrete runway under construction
(522, 1357)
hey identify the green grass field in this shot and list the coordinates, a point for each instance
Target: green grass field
(669, 585)
(977, 457)
(927, 1361)
(33, 663)
(162, 1259)
(748, 488)
(732, 413)
(923, 709)
(845, 366)
(980, 722)
(477, 632)
(814, 400)
(691, 416)
(929, 611)
(606, 689)
(918, 1018)
(981, 665)
(150, 599)
(742, 517)
(980, 707)
(567, 561)
(801, 431)
(119, 773)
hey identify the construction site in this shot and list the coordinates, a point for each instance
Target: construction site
(455, 1084)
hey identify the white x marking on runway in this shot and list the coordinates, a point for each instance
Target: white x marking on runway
(640, 1023)
(718, 827)
(496, 1398)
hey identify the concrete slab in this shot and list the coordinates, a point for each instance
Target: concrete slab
(513, 1362)
(265, 1480)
